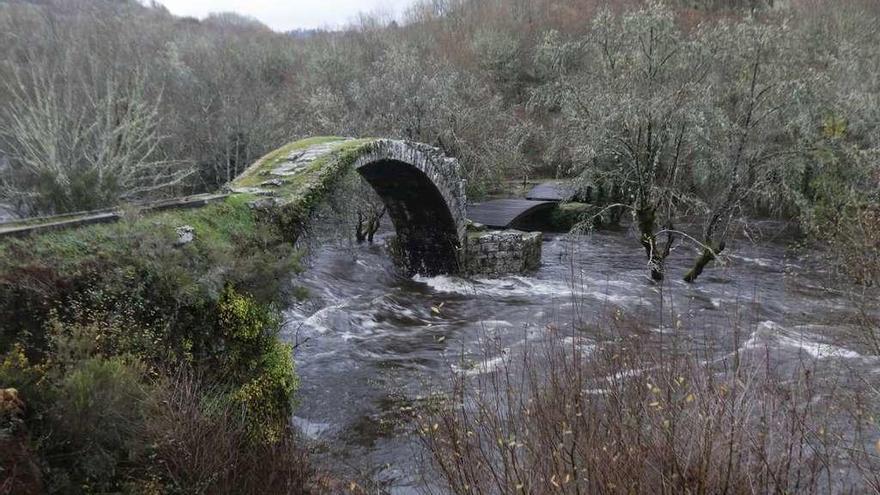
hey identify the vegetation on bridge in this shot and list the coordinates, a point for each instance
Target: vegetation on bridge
(292, 199)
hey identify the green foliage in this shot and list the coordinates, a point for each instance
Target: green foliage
(253, 357)
(95, 420)
(266, 398)
(242, 322)
(839, 203)
(834, 127)
(94, 399)
(107, 310)
(18, 372)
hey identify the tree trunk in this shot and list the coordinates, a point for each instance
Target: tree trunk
(359, 234)
(701, 262)
(646, 217)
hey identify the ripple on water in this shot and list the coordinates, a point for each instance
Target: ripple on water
(373, 333)
(770, 334)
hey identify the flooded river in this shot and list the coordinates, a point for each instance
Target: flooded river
(371, 342)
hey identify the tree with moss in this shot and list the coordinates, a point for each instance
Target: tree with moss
(630, 95)
(754, 125)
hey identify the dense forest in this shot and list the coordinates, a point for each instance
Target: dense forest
(710, 113)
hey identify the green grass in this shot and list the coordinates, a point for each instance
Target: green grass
(215, 224)
(254, 174)
(137, 262)
(136, 267)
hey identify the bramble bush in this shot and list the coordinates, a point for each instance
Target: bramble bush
(104, 420)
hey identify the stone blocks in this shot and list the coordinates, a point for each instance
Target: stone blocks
(503, 252)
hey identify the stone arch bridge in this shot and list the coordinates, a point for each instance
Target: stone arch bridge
(423, 190)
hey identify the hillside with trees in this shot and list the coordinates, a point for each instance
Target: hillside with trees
(657, 109)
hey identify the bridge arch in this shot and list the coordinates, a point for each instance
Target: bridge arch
(422, 188)
(425, 196)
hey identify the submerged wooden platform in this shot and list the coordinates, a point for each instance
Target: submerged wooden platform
(505, 213)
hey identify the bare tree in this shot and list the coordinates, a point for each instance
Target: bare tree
(632, 108)
(74, 145)
(369, 219)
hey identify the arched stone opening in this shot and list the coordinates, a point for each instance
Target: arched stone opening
(428, 237)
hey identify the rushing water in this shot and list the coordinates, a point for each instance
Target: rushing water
(371, 341)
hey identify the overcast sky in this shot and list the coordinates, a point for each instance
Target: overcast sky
(285, 15)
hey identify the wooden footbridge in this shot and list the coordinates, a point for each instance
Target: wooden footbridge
(507, 213)
(517, 213)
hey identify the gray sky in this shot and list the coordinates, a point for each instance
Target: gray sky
(290, 14)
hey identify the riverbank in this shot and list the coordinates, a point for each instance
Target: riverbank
(118, 336)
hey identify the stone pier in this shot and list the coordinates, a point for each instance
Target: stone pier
(503, 252)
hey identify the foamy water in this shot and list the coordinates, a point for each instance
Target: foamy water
(773, 335)
(372, 342)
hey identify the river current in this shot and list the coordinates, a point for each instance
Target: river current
(371, 342)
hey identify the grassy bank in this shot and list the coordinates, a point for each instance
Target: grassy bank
(147, 360)
(138, 267)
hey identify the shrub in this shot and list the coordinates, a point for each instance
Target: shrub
(56, 133)
(856, 241)
(103, 420)
(17, 371)
(21, 401)
(564, 417)
(95, 422)
(255, 360)
(203, 444)
(19, 473)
